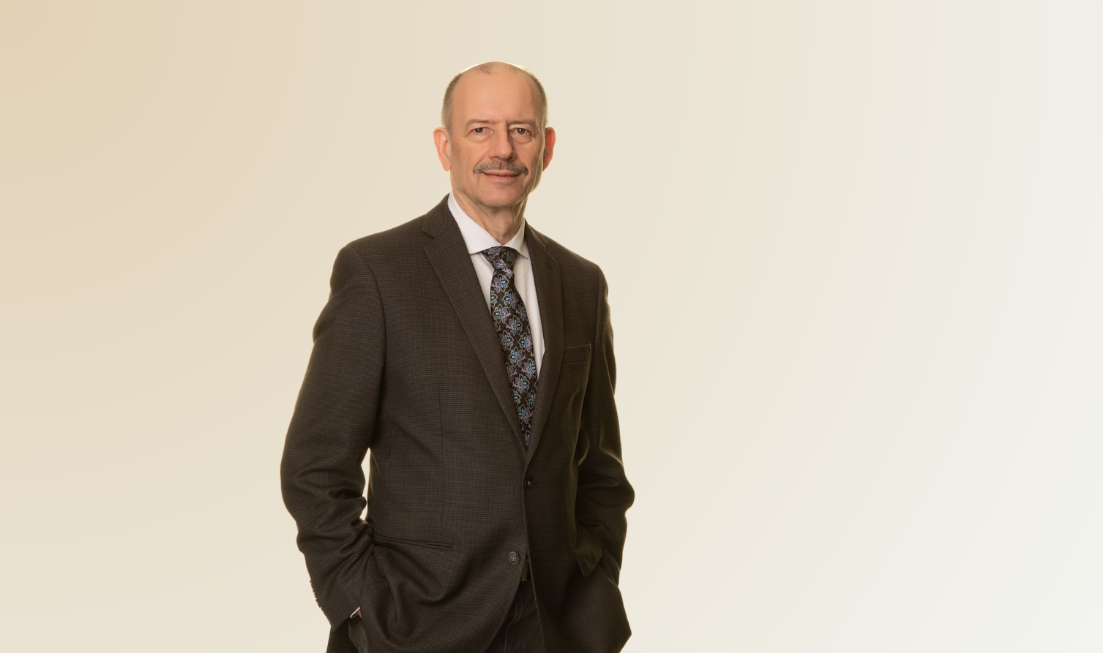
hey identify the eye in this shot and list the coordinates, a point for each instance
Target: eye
(478, 130)
(521, 131)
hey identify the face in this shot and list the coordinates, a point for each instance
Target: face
(495, 149)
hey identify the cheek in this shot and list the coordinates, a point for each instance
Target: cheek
(473, 159)
(534, 163)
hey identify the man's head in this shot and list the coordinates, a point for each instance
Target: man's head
(494, 139)
(490, 68)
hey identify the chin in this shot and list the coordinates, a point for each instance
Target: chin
(500, 200)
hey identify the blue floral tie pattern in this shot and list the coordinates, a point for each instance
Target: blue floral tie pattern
(511, 319)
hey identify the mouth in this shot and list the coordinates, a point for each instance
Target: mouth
(500, 174)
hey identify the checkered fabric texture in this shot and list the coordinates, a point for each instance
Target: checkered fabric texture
(408, 371)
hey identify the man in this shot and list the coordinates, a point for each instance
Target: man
(473, 357)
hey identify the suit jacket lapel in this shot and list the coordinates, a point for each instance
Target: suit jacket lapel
(447, 253)
(549, 294)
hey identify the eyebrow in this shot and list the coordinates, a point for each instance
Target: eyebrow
(485, 121)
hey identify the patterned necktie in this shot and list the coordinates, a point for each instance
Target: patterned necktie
(511, 319)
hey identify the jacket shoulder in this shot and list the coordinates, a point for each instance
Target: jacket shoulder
(397, 241)
(572, 263)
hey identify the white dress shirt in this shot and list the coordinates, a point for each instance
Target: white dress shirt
(478, 239)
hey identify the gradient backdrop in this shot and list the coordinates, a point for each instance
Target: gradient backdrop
(854, 251)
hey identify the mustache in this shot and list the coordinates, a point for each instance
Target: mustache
(508, 166)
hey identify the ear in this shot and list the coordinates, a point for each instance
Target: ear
(441, 138)
(549, 145)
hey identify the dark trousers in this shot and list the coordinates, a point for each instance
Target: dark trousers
(520, 632)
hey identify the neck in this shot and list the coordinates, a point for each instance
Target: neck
(501, 223)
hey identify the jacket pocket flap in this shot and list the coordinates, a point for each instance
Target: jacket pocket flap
(578, 353)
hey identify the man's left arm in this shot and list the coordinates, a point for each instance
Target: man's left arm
(604, 494)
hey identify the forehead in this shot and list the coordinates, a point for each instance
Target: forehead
(503, 94)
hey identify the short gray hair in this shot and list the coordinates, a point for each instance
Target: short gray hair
(490, 68)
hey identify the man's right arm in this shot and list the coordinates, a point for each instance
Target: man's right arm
(330, 432)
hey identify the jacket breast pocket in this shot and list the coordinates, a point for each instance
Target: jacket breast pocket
(577, 354)
(570, 392)
(574, 373)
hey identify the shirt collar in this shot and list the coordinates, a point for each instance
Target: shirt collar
(478, 239)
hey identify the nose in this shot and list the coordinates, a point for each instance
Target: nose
(501, 146)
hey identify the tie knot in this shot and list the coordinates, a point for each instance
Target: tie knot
(501, 257)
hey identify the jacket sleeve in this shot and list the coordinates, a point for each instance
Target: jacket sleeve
(331, 430)
(604, 494)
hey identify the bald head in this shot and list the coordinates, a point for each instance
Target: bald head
(491, 68)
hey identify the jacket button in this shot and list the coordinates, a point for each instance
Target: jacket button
(514, 558)
(528, 483)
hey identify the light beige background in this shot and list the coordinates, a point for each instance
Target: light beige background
(854, 252)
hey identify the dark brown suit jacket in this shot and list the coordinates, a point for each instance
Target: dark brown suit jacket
(407, 365)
